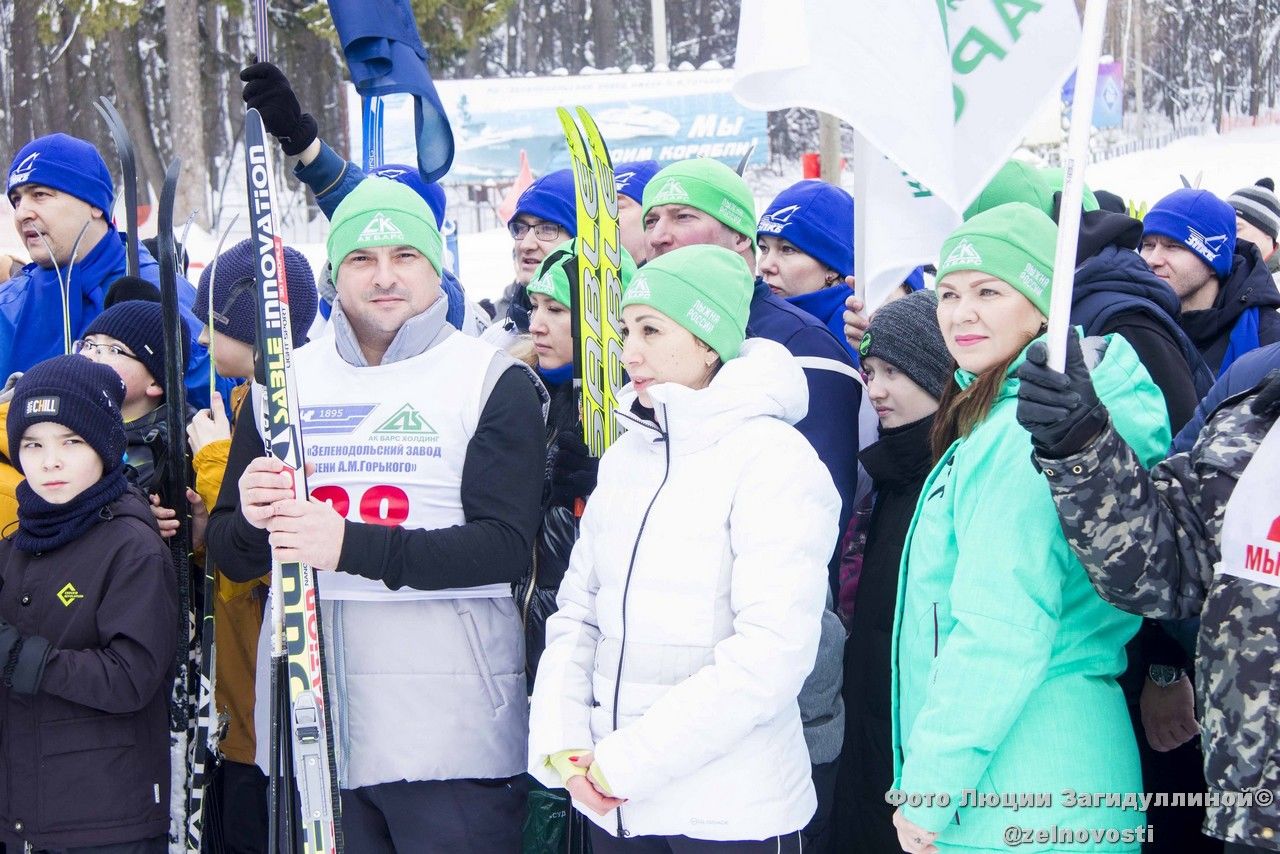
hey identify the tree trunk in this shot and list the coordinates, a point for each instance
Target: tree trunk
(604, 24)
(186, 113)
(126, 72)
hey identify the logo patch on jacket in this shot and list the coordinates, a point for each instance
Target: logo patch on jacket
(68, 594)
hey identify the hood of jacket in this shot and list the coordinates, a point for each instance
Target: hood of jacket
(1119, 270)
(1100, 229)
(763, 381)
(1249, 285)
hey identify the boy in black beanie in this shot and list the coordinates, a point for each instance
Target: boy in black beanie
(87, 609)
(128, 337)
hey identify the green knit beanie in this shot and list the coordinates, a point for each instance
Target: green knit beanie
(1015, 182)
(706, 289)
(554, 274)
(382, 212)
(1014, 242)
(1054, 176)
(709, 186)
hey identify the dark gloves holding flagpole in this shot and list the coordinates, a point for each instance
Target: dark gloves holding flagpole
(1060, 411)
(267, 90)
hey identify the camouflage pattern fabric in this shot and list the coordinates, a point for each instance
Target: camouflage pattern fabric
(1150, 541)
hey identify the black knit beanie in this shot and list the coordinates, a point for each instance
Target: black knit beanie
(139, 324)
(235, 294)
(905, 334)
(77, 393)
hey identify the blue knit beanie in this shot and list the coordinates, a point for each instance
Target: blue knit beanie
(235, 294)
(64, 163)
(915, 279)
(80, 395)
(631, 178)
(1199, 220)
(816, 218)
(551, 198)
(432, 193)
(139, 324)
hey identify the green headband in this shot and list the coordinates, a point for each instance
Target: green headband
(382, 212)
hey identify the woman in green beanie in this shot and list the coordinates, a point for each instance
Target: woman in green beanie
(1005, 700)
(689, 617)
(570, 468)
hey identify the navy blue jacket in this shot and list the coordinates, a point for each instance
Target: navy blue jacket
(1116, 292)
(835, 392)
(85, 760)
(1249, 286)
(1244, 373)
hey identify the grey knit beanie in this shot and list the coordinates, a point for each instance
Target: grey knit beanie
(1258, 206)
(905, 334)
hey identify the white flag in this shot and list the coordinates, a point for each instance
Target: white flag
(944, 89)
(901, 226)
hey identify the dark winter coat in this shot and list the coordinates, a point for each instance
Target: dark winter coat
(85, 760)
(1152, 544)
(1116, 292)
(1245, 373)
(1249, 286)
(897, 465)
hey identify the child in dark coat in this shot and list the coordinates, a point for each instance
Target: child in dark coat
(88, 611)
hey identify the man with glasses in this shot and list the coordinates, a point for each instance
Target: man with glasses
(128, 338)
(546, 215)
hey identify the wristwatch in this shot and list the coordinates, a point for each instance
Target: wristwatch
(1164, 675)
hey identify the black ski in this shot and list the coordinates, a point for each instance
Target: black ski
(173, 492)
(129, 174)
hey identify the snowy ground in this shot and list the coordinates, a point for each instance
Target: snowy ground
(1227, 162)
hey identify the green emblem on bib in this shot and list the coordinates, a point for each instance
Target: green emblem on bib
(407, 423)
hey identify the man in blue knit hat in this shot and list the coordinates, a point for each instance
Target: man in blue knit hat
(629, 180)
(59, 185)
(1228, 298)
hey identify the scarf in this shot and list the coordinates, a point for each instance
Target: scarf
(43, 527)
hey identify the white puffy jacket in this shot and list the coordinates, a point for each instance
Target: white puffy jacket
(690, 613)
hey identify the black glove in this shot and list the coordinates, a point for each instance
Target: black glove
(573, 471)
(1267, 402)
(22, 660)
(267, 90)
(1060, 411)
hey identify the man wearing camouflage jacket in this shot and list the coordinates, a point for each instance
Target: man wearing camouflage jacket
(1153, 544)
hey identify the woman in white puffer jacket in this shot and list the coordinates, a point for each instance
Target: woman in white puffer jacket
(690, 613)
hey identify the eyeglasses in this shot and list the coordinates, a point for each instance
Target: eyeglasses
(547, 231)
(85, 346)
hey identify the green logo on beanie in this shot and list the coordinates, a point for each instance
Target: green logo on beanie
(865, 346)
(703, 316)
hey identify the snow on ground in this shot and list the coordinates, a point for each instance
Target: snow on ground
(1229, 162)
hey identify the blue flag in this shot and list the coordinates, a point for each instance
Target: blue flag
(386, 56)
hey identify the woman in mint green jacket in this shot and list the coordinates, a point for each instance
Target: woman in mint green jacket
(1009, 727)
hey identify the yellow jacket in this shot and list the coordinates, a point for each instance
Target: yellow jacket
(10, 477)
(237, 616)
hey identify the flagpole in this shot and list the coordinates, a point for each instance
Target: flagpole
(861, 181)
(1064, 262)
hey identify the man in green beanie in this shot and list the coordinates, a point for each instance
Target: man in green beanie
(703, 201)
(425, 500)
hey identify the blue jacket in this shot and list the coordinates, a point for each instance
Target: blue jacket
(835, 392)
(331, 178)
(1244, 373)
(827, 304)
(31, 312)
